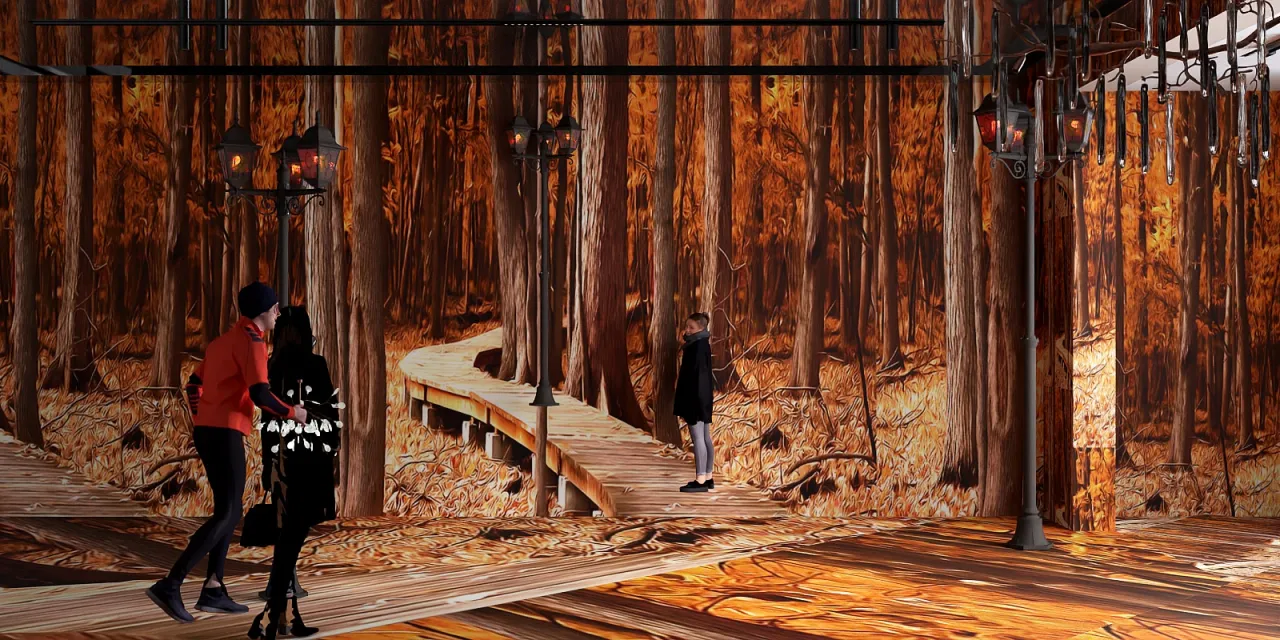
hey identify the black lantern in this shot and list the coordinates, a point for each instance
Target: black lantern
(547, 138)
(319, 152)
(239, 154)
(568, 9)
(518, 135)
(290, 159)
(519, 10)
(568, 134)
(1075, 126)
(1015, 130)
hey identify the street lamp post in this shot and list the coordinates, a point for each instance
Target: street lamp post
(548, 145)
(1011, 137)
(311, 158)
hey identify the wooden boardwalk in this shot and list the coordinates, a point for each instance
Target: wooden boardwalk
(88, 574)
(1198, 578)
(34, 487)
(619, 468)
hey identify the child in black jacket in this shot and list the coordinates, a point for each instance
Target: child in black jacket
(694, 391)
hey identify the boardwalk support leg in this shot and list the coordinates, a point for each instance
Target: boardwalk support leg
(473, 432)
(573, 500)
(499, 447)
(415, 409)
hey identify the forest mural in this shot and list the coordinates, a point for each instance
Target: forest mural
(864, 285)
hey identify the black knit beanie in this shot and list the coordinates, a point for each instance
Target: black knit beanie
(256, 299)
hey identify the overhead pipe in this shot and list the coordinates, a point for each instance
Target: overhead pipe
(1255, 161)
(1242, 124)
(1148, 30)
(1144, 124)
(1214, 130)
(1184, 21)
(1264, 107)
(1170, 171)
(222, 28)
(1233, 34)
(1122, 144)
(1100, 117)
(1203, 52)
(1038, 148)
(1162, 61)
(184, 31)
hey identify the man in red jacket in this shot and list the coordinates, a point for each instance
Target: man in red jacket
(222, 393)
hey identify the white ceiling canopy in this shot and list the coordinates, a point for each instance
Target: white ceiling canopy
(1185, 75)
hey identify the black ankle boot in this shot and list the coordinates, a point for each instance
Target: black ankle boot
(298, 628)
(274, 627)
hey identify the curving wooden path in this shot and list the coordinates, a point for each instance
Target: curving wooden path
(32, 487)
(619, 468)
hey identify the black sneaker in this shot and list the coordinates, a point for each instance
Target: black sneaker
(169, 598)
(694, 487)
(710, 484)
(217, 600)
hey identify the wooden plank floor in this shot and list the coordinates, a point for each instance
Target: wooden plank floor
(31, 486)
(621, 469)
(369, 572)
(1197, 578)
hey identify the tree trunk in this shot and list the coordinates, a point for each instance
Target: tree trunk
(981, 315)
(530, 98)
(1144, 331)
(120, 314)
(663, 325)
(960, 454)
(756, 301)
(367, 406)
(321, 240)
(214, 245)
(25, 331)
(1123, 407)
(171, 316)
(1240, 294)
(805, 363)
(443, 200)
(717, 247)
(73, 368)
(1002, 494)
(851, 237)
(508, 212)
(559, 239)
(1193, 165)
(890, 342)
(247, 264)
(338, 225)
(1083, 326)
(607, 383)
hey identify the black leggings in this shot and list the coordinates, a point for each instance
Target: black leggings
(222, 452)
(288, 546)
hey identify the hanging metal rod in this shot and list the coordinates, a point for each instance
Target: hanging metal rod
(11, 67)
(485, 22)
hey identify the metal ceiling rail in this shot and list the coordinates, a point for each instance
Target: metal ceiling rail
(11, 67)
(487, 22)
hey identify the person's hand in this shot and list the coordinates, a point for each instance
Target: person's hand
(300, 415)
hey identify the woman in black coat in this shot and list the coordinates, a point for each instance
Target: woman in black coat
(694, 391)
(298, 459)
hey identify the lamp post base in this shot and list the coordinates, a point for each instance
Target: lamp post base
(544, 397)
(1029, 535)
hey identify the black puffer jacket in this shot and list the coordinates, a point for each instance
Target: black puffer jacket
(695, 384)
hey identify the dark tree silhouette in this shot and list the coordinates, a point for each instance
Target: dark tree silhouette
(662, 329)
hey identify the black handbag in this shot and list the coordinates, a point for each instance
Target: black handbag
(260, 528)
